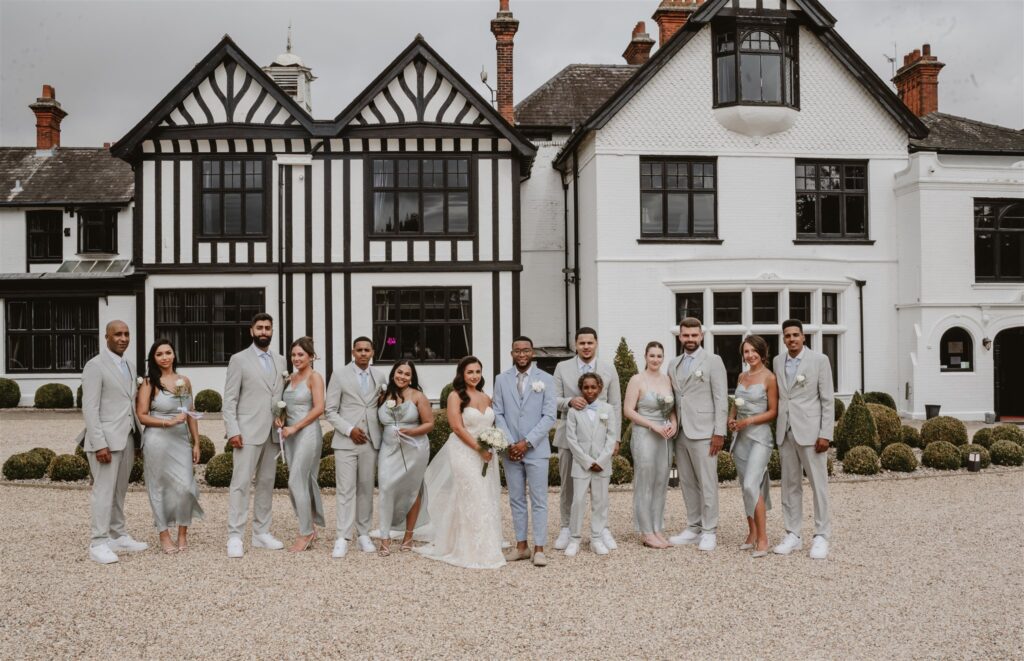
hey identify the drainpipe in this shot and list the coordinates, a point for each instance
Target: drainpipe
(860, 300)
(280, 258)
(576, 231)
(565, 251)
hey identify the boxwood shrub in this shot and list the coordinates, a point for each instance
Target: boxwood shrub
(911, 436)
(856, 428)
(554, 479)
(899, 457)
(1008, 432)
(726, 467)
(325, 474)
(861, 460)
(966, 450)
(325, 444)
(883, 398)
(54, 396)
(888, 424)
(439, 434)
(1007, 453)
(622, 471)
(839, 408)
(281, 478)
(208, 401)
(774, 465)
(207, 449)
(25, 466)
(943, 428)
(68, 468)
(983, 437)
(941, 455)
(218, 470)
(10, 394)
(46, 453)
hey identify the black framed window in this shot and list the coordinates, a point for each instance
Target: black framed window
(766, 307)
(829, 307)
(206, 326)
(728, 347)
(999, 240)
(956, 351)
(830, 347)
(755, 65)
(728, 307)
(690, 304)
(426, 324)
(677, 198)
(233, 200)
(409, 196)
(831, 200)
(45, 240)
(97, 231)
(800, 306)
(51, 335)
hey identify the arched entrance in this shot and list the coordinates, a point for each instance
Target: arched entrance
(1008, 353)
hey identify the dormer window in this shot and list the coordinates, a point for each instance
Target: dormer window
(756, 65)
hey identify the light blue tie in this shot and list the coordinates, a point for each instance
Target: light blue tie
(267, 367)
(364, 381)
(587, 368)
(687, 362)
(792, 364)
(124, 370)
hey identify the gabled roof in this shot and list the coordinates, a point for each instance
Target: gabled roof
(209, 95)
(958, 135)
(821, 22)
(569, 97)
(70, 176)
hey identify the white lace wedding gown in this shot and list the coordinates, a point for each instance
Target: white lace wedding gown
(464, 506)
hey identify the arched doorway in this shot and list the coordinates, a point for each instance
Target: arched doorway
(1008, 353)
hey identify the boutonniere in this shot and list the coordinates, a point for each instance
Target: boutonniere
(140, 380)
(800, 379)
(285, 374)
(603, 417)
(699, 374)
(537, 386)
(383, 387)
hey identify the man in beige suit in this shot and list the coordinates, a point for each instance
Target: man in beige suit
(702, 406)
(254, 384)
(352, 411)
(567, 376)
(108, 405)
(805, 423)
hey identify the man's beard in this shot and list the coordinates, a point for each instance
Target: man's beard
(262, 341)
(690, 347)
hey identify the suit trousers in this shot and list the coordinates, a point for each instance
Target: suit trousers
(518, 476)
(598, 488)
(354, 473)
(698, 477)
(259, 461)
(109, 486)
(565, 491)
(797, 460)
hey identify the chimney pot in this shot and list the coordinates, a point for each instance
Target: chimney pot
(49, 92)
(927, 49)
(639, 49)
(671, 16)
(48, 118)
(917, 81)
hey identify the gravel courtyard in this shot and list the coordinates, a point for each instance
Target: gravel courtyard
(920, 568)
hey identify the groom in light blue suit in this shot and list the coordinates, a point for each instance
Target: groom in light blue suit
(524, 410)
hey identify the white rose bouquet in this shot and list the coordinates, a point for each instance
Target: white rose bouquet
(491, 439)
(279, 412)
(665, 403)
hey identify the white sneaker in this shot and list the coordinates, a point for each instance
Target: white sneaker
(683, 538)
(266, 541)
(563, 539)
(366, 544)
(609, 541)
(789, 544)
(340, 548)
(819, 548)
(102, 554)
(126, 543)
(598, 547)
(572, 549)
(235, 549)
(708, 542)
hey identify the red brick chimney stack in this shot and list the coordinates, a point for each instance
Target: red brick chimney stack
(672, 15)
(639, 49)
(917, 81)
(48, 117)
(504, 28)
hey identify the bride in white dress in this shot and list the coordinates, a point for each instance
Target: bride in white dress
(465, 506)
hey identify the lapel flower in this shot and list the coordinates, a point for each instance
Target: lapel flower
(800, 379)
(603, 417)
(140, 380)
(740, 402)
(537, 386)
(383, 387)
(285, 374)
(699, 374)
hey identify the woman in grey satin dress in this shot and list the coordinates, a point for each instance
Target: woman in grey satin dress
(171, 445)
(755, 406)
(405, 413)
(650, 405)
(303, 440)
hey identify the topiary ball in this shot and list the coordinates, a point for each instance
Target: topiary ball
(839, 407)
(888, 424)
(1004, 453)
(775, 465)
(622, 471)
(68, 468)
(443, 399)
(941, 455)
(206, 449)
(943, 428)
(325, 476)
(1008, 432)
(10, 394)
(861, 460)
(25, 466)
(54, 396)
(910, 436)
(983, 437)
(281, 477)
(228, 448)
(208, 401)
(138, 471)
(856, 428)
(965, 453)
(325, 448)
(554, 479)
(440, 433)
(883, 398)
(46, 453)
(899, 457)
(726, 467)
(218, 470)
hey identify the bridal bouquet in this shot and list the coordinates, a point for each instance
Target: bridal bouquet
(279, 412)
(665, 403)
(181, 392)
(493, 440)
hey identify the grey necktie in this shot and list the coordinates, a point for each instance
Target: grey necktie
(521, 383)
(587, 368)
(792, 364)
(364, 382)
(124, 370)
(265, 358)
(687, 362)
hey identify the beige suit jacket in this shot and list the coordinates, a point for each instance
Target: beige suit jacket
(250, 394)
(348, 407)
(108, 404)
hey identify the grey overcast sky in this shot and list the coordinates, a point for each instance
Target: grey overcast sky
(111, 62)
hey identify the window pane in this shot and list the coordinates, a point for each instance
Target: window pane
(211, 213)
(433, 173)
(42, 352)
(383, 212)
(1012, 217)
(211, 174)
(17, 315)
(856, 216)
(800, 306)
(383, 174)
(232, 174)
(89, 347)
(675, 176)
(854, 177)
(830, 308)
(458, 212)
(725, 42)
(727, 307)
(728, 347)
(254, 213)
(1009, 255)
(385, 339)
(984, 246)
(409, 344)
(458, 305)
(646, 174)
(409, 305)
(829, 177)
(771, 78)
(408, 174)
(19, 354)
(750, 77)
(41, 319)
(232, 213)
(433, 212)
(830, 210)
(678, 213)
(805, 214)
(433, 343)
(253, 175)
(434, 304)
(458, 173)
(830, 347)
(766, 307)
(650, 213)
(704, 214)
(409, 212)
(703, 175)
(690, 304)
(64, 355)
(458, 342)
(65, 315)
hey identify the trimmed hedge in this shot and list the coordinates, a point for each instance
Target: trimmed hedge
(325, 474)
(910, 436)
(775, 465)
(554, 479)
(726, 467)
(281, 478)
(856, 428)
(943, 428)
(941, 455)
(883, 398)
(966, 450)
(899, 457)
(208, 401)
(440, 433)
(983, 437)
(54, 396)
(68, 468)
(887, 423)
(622, 471)
(47, 454)
(1007, 453)
(442, 401)
(1008, 432)
(839, 407)
(207, 449)
(138, 471)
(218, 470)
(25, 466)
(78, 398)
(626, 442)
(861, 460)
(10, 394)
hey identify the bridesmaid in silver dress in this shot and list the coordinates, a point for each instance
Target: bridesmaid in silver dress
(650, 405)
(304, 399)
(756, 404)
(171, 445)
(405, 413)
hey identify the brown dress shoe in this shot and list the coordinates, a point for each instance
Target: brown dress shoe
(514, 554)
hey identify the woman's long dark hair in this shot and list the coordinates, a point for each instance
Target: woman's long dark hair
(392, 392)
(153, 370)
(459, 382)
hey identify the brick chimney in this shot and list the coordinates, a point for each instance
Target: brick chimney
(48, 117)
(504, 28)
(671, 15)
(917, 81)
(639, 49)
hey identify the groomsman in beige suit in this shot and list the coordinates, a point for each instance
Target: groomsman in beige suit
(805, 423)
(352, 411)
(254, 384)
(567, 392)
(111, 427)
(702, 407)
